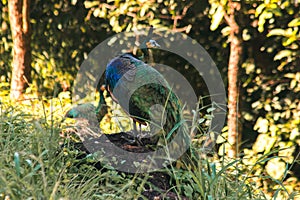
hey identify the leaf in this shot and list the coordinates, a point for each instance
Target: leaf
(217, 18)
(276, 168)
(290, 75)
(201, 120)
(267, 15)
(90, 4)
(293, 83)
(174, 129)
(259, 146)
(282, 54)
(225, 31)
(259, 9)
(261, 125)
(267, 107)
(213, 170)
(155, 22)
(188, 190)
(262, 20)
(210, 109)
(261, 23)
(209, 197)
(276, 31)
(112, 21)
(289, 41)
(29, 162)
(143, 10)
(96, 12)
(294, 22)
(73, 2)
(17, 163)
(136, 164)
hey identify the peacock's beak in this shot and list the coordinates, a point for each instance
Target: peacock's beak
(152, 44)
(103, 87)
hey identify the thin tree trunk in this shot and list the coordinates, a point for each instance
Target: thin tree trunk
(233, 71)
(20, 29)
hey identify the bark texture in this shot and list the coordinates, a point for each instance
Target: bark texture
(20, 29)
(235, 58)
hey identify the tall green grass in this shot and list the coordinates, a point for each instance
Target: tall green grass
(37, 163)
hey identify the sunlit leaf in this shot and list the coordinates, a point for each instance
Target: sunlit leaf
(96, 12)
(259, 145)
(259, 9)
(90, 4)
(293, 83)
(275, 168)
(276, 31)
(289, 40)
(225, 31)
(261, 23)
(217, 18)
(201, 120)
(112, 20)
(261, 125)
(283, 54)
(143, 10)
(294, 23)
(290, 75)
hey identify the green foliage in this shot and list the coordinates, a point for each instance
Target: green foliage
(216, 179)
(61, 39)
(131, 15)
(5, 43)
(217, 11)
(38, 168)
(38, 162)
(64, 32)
(116, 120)
(278, 123)
(271, 87)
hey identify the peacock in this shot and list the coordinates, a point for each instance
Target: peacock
(148, 98)
(87, 124)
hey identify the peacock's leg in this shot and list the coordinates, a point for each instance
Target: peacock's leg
(138, 133)
(136, 140)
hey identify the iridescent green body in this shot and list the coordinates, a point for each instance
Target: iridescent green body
(145, 95)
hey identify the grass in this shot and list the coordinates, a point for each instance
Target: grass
(37, 163)
(34, 165)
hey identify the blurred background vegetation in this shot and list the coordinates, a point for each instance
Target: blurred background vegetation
(63, 32)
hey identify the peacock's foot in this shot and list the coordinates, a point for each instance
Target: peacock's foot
(133, 139)
(130, 140)
(139, 140)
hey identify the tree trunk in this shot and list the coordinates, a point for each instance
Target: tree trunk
(20, 29)
(233, 68)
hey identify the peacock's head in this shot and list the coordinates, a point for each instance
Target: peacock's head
(81, 111)
(152, 44)
(73, 113)
(149, 42)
